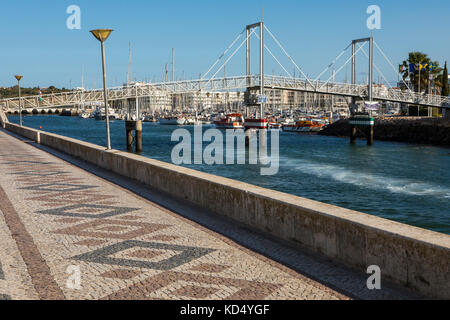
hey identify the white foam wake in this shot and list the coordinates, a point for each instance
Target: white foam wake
(367, 180)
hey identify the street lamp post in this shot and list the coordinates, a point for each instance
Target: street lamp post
(101, 35)
(18, 77)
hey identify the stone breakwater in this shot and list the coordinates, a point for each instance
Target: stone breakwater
(434, 131)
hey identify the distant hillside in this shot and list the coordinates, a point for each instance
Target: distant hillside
(12, 92)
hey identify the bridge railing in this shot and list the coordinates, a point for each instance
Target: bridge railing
(316, 86)
(81, 97)
(345, 89)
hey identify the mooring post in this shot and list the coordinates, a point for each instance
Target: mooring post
(250, 134)
(370, 131)
(129, 127)
(138, 136)
(370, 135)
(365, 123)
(352, 133)
(353, 108)
(247, 137)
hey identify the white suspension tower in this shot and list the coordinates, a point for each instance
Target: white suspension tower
(261, 66)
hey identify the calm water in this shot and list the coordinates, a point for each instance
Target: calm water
(403, 182)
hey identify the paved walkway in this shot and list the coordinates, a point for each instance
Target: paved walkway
(66, 233)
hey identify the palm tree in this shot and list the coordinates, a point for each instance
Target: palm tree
(417, 58)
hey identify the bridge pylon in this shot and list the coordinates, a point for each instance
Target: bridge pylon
(250, 97)
(370, 80)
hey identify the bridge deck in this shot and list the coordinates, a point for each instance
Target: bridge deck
(132, 243)
(165, 89)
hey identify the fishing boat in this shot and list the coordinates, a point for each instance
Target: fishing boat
(253, 123)
(305, 125)
(230, 121)
(317, 125)
(289, 125)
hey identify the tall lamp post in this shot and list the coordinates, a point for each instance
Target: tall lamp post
(101, 35)
(18, 77)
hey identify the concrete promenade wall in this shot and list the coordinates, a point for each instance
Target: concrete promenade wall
(29, 133)
(3, 118)
(411, 257)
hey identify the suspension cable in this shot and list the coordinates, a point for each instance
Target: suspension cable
(332, 63)
(229, 58)
(389, 61)
(223, 54)
(273, 56)
(376, 67)
(379, 71)
(290, 58)
(348, 60)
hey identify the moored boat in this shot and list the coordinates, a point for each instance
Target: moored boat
(305, 125)
(317, 125)
(149, 118)
(172, 120)
(289, 125)
(99, 114)
(274, 125)
(85, 115)
(230, 121)
(253, 123)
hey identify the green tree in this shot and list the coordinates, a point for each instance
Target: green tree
(12, 92)
(417, 58)
(445, 90)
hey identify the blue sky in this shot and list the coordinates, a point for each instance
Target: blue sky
(37, 44)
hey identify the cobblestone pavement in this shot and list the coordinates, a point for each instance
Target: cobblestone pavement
(66, 233)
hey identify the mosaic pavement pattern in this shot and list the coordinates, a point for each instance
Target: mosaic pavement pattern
(68, 234)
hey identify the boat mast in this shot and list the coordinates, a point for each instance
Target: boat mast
(173, 64)
(82, 86)
(82, 76)
(129, 64)
(261, 66)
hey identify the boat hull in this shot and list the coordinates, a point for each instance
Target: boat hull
(229, 125)
(172, 121)
(103, 117)
(256, 124)
(304, 129)
(289, 128)
(230, 121)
